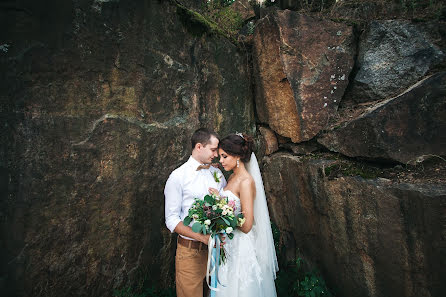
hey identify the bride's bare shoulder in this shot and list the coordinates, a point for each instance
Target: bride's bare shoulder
(248, 183)
(247, 180)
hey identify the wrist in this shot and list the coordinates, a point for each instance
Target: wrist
(204, 238)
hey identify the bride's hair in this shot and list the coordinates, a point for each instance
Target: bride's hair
(239, 144)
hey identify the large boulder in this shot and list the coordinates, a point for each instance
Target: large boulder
(96, 113)
(408, 128)
(369, 237)
(301, 68)
(268, 140)
(393, 55)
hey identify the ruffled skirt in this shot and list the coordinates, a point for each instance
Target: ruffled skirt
(242, 274)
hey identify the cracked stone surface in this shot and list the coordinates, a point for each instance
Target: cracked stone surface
(393, 55)
(301, 69)
(369, 237)
(95, 115)
(408, 128)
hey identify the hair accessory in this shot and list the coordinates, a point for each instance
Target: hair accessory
(240, 134)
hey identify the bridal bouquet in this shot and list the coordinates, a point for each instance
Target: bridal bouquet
(214, 215)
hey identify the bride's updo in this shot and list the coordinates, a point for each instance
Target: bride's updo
(240, 145)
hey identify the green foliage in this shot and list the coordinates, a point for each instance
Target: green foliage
(312, 286)
(187, 220)
(294, 280)
(196, 23)
(221, 13)
(250, 28)
(350, 169)
(197, 227)
(215, 17)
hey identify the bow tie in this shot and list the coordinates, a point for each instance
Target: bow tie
(205, 166)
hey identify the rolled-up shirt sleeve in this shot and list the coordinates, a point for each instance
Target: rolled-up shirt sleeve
(173, 200)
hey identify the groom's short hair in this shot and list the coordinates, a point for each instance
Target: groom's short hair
(202, 136)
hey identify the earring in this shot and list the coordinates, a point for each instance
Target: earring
(238, 163)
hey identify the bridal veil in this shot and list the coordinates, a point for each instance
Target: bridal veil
(264, 241)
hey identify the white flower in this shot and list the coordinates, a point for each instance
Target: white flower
(217, 176)
(207, 222)
(229, 230)
(195, 216)
(225, 212)
(4, 47)
(214, 207)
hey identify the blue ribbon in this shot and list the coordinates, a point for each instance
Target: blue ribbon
(213, 264)
(215, 260)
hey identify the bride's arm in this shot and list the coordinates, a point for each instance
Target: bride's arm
(247, 194)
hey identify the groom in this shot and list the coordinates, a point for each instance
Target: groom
(189, 181)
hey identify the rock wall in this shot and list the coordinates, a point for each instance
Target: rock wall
(354, 165)
(99, 99)
(369, 237)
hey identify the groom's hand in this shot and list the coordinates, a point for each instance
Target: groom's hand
(205, 239)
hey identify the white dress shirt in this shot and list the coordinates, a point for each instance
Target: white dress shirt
(184, 185)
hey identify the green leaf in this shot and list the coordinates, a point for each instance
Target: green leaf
(234, 223)
(219, 221)
(209, 199)
(187, 220)
(312, 294)
(204, 229)
(230, 235)
(226, 221)
(196, 227)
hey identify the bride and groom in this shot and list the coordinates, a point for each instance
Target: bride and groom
(251, 263)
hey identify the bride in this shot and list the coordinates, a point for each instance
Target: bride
(251, 264)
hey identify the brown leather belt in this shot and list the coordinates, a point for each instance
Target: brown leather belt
(196, 245)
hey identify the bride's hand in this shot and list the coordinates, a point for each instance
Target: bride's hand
(214, 191)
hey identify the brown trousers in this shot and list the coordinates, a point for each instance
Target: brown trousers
(190, 271)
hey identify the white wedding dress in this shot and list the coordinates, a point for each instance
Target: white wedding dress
(251, 263)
